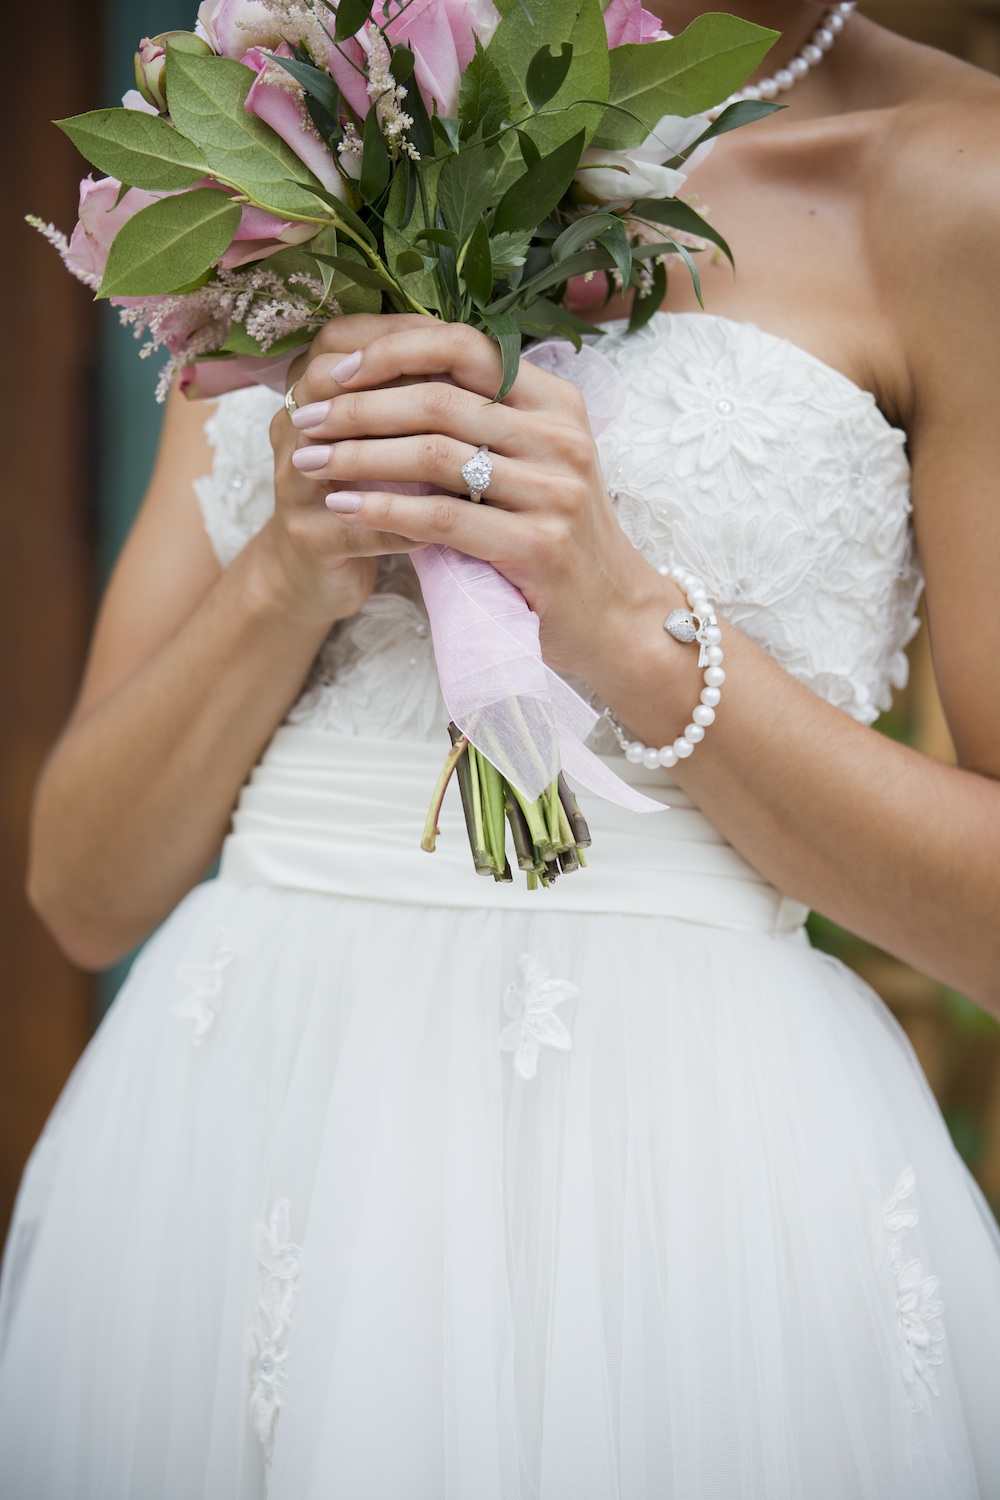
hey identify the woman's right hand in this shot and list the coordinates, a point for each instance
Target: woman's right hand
(325, 565)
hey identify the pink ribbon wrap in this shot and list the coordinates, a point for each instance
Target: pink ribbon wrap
(497, 689)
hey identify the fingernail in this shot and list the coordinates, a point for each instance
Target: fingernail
(347, 367)
(343, 502)
(311, 416)
(313, 457)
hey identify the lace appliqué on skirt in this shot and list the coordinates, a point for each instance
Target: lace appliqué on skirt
(534, 1023)
(278, 1265)
(203, 1001)
(918, 1307)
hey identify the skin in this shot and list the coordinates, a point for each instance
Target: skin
(864, 224)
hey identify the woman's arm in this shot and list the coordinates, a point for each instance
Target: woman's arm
(191, 670)
(902, 850)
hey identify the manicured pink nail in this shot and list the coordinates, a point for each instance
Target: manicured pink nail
(313, 457)
(344, 502)
(313, 415)
(347, 367)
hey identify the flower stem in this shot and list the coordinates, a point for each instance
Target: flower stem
(431, 829)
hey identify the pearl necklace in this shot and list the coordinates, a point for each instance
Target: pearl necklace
(800, 65)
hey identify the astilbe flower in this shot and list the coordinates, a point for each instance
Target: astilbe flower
(193, 324)
(387, 94)
(297, 23)
(59, 242)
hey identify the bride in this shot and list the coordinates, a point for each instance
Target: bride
(383, 1183)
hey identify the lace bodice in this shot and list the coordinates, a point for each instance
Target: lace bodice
(769, 474)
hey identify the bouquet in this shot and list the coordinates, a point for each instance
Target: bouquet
(289, 161)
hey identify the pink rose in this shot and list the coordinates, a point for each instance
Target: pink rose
(627, 22)
(206, 379)
(100, 219)
(275, 99)
(441, 35)
(260, 234)
(232, 27)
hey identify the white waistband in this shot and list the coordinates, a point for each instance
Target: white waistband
(324, 812)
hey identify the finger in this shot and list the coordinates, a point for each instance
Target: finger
(478, 530)
(435, 460)
(470, 358)
(438, 407)
(327, 536)
(340, 336)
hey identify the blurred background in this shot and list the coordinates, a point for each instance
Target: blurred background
(80, 427)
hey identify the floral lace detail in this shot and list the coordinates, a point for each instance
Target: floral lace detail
(278, 1265)
(918, 1307)
(203, 1001)
(376, 673)
(769, 474)
(238, 496)
(535, 1024)
(779, 482)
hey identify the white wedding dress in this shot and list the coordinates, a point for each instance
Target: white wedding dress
(382, 1182)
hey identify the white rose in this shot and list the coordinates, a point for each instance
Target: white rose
(624, 176)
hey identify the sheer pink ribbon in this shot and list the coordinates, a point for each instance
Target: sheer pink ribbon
(516, 710)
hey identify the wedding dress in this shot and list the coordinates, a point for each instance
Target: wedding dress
(382, 1182)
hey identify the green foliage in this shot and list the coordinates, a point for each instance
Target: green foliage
(207, 104)
(351, 16)
(685, 75)
(533, 195)
(171, 244)
(483, 102)
(547, 74)
(141, 150)
(515, 43)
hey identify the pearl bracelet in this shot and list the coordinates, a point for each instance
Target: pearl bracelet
(696, 623)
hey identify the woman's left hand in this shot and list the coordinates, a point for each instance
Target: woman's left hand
(410, 406)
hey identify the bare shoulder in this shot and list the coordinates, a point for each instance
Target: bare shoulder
(931, 191)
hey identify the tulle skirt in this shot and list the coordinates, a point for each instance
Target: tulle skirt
(359, 1199)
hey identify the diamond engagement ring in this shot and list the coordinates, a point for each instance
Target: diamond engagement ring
(291, 405)
(477, 473)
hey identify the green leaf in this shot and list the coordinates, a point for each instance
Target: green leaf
(743, 112)
(550, 315)
(477, 267)
(581, 232)
(447, 131)
(360, 272)
(684, 75)
(643, 308)
(688, 260)
(420, 284)
(351, 16)
(508, 253)
(598, 259)
(317, 84)
(515, 42)
(402, 63)
(141, 150)
(411, 260)
(438, 237)
(465, 188)
(169, 244)
(505, 329)
(615, 241)
(537, 192)
(374, 160)
(207, 103)
(678, 215)
(482, 100)
(530, 153)
(547, 73)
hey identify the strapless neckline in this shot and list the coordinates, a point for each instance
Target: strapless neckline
(741, 326)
